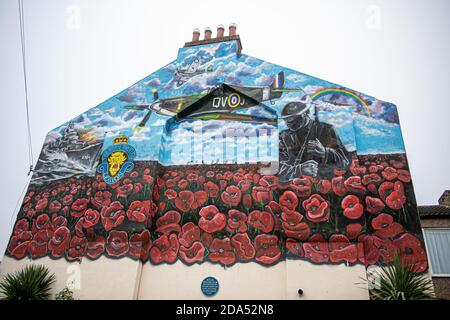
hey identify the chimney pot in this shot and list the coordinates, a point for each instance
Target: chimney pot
(220, 30)
(207, 33)
(232, 29)
(196, 35)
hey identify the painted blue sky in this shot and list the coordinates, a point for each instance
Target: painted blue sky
(377, 133)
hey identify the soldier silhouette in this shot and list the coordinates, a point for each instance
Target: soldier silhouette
(308, 147)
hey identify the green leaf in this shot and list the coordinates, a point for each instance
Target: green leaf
(33, 282)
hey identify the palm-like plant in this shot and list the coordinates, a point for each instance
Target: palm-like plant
(399, 282)
(33, 282)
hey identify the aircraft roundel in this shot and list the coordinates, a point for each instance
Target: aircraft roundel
(234, 100)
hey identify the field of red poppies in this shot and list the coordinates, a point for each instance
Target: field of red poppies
(226, 214)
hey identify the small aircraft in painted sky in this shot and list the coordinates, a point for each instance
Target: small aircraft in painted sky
(194, 69)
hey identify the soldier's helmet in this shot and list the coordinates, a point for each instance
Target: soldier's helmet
(294, 109)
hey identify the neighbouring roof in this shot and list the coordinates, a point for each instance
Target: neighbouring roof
(434, 211)
(445, 198)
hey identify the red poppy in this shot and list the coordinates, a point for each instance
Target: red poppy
(376, 249)
(189, 234)
(294, 248)
(262, 194)
(397, 164)
(200, 198)
(269, 182)
(352, 208)
(182, 184)
(117, 243)
(193, 253)
(101, 199)
(237, 221)
(148, 179)
(41, 204)
(404, 175)
(78, 207)
(165, 248)
(237, 177)
(206, 238)
(245, 185)
(113, 215)
(317, 208)
(67, 200)
(125, 190)
(247, 201)
(192, 177)
(221, 251)
(90, 218)
(347, 252)
(385, 227)
(211, 188)
(337, 183)
(356, 169)
(389, 173)
(289, 200)
(38, 246)
(21, 226)
(243, 245)
(353, 184)
(59, 242)
(353, 230)
(55, 206)
(261, 220)
(140, 244)
(412, 251)
(232, 196)
(184, 200)
(372, 178)
(316, 251)
(56, 222)
(168, 223)
(294, 227)
(211, 219)
(341, 250)
(324, 186)
(139, 211)
(374, 205)
(19, 243)
(393, 194)
(170, 194)
(301, 187)
(42, 222)
(96, 247)
(77, 248)
(267, 249)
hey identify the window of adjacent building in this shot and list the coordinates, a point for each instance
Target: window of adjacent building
(438, 248)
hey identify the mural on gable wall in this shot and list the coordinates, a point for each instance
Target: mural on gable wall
(223, 158)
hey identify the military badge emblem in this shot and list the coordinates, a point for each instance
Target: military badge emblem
(117, 160)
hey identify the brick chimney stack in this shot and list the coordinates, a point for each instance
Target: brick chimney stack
(207, 33)
(232, 29)
(220, 31)
(195, 35)
(221, 37)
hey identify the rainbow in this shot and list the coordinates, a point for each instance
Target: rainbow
(316, 95)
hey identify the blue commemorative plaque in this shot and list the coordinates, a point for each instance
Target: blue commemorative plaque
(210, 286)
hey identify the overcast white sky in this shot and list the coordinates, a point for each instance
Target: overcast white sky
(81, 52)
